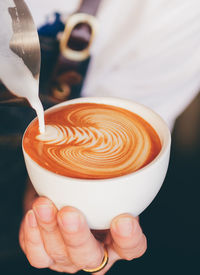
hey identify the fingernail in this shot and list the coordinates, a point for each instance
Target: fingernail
(31, 219)
(44, 212)
(71, 221)
(124, 227)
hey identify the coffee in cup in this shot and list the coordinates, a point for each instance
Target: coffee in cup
(92, 141)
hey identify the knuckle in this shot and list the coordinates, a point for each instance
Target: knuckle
(142, 249)
(37, 263)
(136, 241)
(59, 258)
(140, 253)
(136, 253)
(91, 264)
(93, 261)
(79, 263)
(86, 264)
(130, 243)
(49, 228)
(135, 250)
(33, 241)
(76, 243)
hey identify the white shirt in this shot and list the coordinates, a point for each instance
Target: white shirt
(146, 50)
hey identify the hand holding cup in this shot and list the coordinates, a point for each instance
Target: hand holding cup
(62, 241)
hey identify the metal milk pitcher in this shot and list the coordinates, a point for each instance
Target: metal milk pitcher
(23, 42)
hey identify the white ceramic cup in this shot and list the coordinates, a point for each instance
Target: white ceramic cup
(102, 199)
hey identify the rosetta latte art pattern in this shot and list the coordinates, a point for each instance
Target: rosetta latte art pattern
(93, 141)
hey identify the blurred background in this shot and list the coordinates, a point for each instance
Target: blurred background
(171, 223)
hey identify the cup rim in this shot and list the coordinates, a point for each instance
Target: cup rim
(109, 101)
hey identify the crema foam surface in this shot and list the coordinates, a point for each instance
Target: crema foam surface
(92, 141)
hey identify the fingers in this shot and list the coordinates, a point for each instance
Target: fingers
(128, 239)
(33, 244)
(83, 249)
(62, 240)
(46, 214)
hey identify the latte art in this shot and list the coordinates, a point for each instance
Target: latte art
(90, 140)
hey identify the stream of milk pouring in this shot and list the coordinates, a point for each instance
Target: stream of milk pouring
(13, 72)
